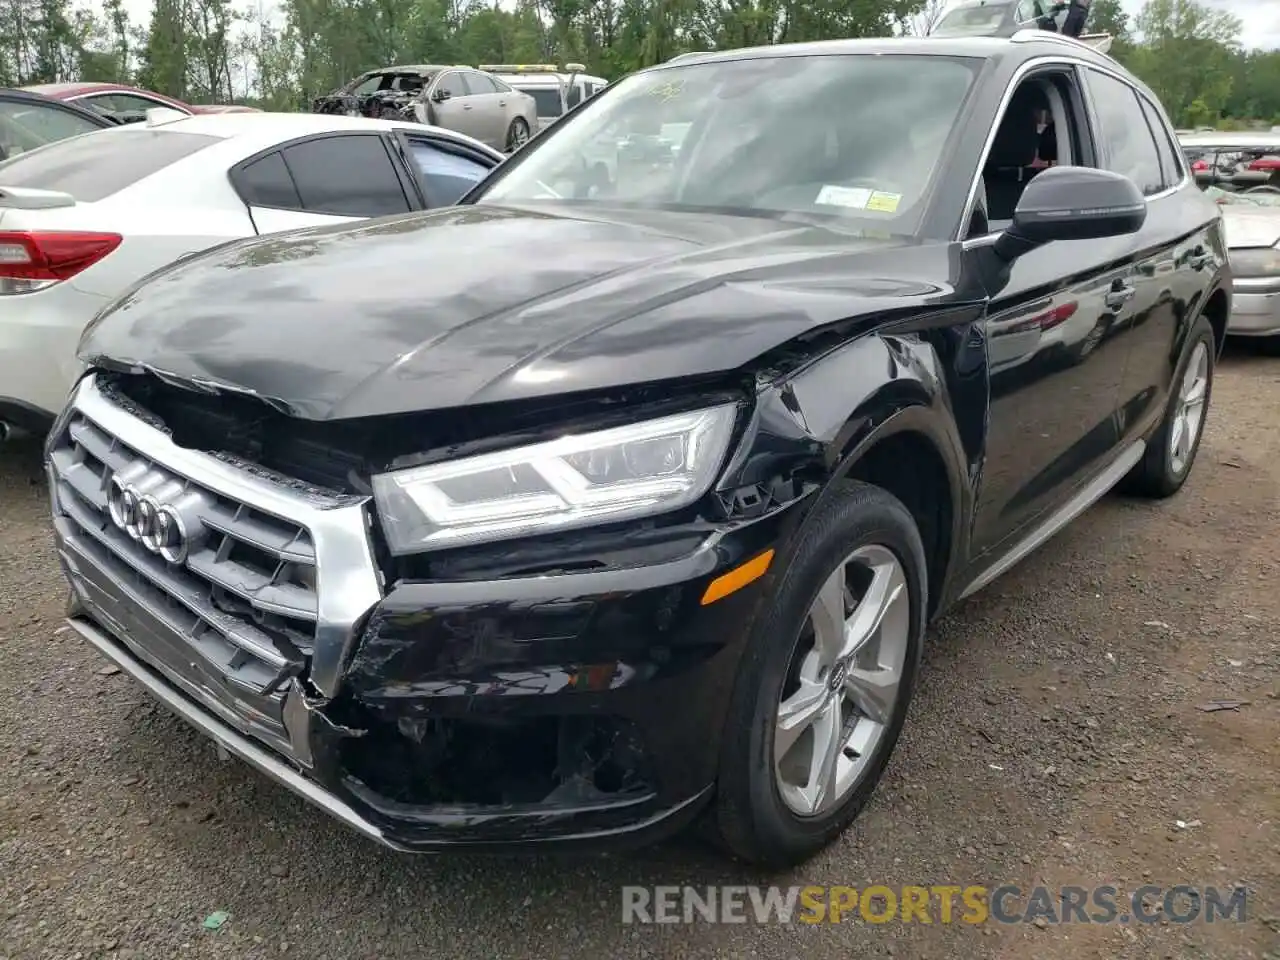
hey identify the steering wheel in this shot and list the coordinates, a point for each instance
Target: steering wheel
(1262, 188)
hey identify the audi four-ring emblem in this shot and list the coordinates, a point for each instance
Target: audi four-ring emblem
(158, 526)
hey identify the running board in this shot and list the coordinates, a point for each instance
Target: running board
(1083, 499)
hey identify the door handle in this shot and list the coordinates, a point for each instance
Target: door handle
(502, 103)
(1199, 258)
(1121, 292)
(466, 106)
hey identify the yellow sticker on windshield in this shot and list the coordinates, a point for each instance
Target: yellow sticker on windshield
(884, 202)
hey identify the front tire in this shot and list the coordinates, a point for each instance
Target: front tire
(517, 134)
(1167, 463)
(825, 681)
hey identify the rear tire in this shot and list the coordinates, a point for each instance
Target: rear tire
(1172, 452)
(771, 806)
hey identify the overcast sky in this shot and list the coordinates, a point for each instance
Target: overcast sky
(1261, 17)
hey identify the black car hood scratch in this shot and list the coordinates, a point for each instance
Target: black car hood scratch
(479, 304)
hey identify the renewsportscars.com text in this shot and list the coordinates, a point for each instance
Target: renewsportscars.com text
(944, 903)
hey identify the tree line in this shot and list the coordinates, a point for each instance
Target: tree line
(209, 51)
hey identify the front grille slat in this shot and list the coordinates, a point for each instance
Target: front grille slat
(294, 547)
(243, 636)
(249, 590)
(260, 589)
(222, 598)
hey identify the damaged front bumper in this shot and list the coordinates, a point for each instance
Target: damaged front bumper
(426, 747)
(579, 709)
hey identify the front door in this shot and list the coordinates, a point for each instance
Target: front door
(458, 110)
(1055, 357)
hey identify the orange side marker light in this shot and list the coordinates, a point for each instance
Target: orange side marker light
(737, 578)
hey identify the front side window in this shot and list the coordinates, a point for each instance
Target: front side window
(446, 176)
(845, 136)
(370, 84)
(452, 84)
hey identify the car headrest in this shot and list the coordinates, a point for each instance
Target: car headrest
(1018, 138)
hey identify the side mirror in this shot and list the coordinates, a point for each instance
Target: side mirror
(1072, 203)
(440, 96)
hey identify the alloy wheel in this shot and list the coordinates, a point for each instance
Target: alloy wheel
(1188, 416)
(843, 682)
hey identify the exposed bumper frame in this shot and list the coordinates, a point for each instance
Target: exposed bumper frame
(224, 735)
(659, 824)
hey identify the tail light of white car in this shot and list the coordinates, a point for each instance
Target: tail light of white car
(32, 260)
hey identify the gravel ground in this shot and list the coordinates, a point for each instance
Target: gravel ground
(1057, 738)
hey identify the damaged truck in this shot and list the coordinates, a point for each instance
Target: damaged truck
(587, 509)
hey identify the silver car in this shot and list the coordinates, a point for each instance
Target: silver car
(458, 98)
(1242, 172)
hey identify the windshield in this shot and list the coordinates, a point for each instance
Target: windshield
(836, 136)
(971, 21)
(547, 99)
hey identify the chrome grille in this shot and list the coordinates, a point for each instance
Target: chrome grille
(242, 607)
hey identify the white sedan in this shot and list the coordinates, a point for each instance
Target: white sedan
(83, 219)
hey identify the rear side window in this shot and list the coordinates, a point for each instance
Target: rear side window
(1169, 163)
(93, 168)
(349, 176)
(266, 183)
(1131, 148)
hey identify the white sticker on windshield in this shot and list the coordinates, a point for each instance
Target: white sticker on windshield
(855, 197)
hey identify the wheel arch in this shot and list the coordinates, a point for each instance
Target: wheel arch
(1217, 310)
(910, 455)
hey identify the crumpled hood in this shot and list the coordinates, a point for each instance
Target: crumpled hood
(477, 304)
(1249, 226)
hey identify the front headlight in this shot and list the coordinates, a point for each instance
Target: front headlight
(1257, 262)
(642, 469)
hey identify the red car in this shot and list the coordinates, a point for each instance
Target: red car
(122, 103)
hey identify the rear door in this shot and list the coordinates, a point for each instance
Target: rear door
(490, 106)
(332, 178)
(1173, 251)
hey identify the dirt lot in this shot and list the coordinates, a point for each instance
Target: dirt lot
(1058, 738)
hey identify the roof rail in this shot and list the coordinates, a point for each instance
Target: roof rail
(1097, 42)
(520, 67)
(692, 53)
